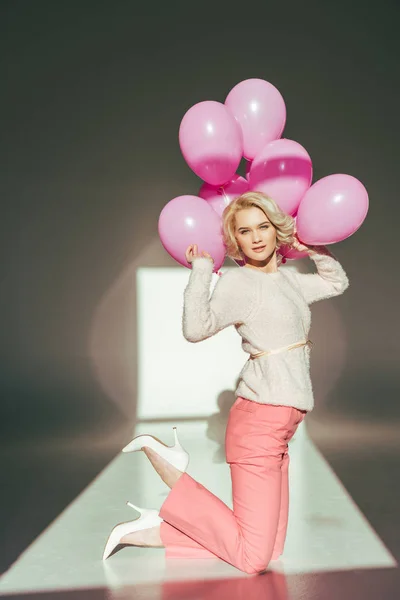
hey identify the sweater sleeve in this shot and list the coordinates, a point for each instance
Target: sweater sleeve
(331, 279)
(230, 302)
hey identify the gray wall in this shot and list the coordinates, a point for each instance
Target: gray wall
(92, 98)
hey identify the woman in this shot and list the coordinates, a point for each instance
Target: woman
(269, 308)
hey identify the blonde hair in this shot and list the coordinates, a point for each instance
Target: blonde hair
(283, 223)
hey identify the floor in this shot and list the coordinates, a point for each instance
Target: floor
(342, 525)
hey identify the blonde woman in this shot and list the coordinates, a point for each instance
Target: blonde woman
(269, 308)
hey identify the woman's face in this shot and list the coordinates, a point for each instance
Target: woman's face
(254, 229)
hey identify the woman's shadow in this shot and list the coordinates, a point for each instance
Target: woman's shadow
(217, 422)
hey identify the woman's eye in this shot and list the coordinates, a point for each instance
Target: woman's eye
(262, 227)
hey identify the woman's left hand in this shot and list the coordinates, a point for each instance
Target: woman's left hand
(208, 256)
(298, 245)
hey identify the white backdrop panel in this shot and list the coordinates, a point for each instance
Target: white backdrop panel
(177, 378)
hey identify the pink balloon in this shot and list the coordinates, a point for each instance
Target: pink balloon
(283, 171)
(211, 141)
(187, 220)
(332, 210)
(248, 167)
(260, 109)
(219, 197)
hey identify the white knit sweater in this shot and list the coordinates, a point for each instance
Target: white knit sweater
(268, 310)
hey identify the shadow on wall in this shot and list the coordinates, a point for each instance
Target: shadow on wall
(112, 345)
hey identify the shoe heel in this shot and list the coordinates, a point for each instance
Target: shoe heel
(177, 442)
(135, 507)
(143, 511)
(146, 512)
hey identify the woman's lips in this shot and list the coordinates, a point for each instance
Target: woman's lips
(259, 249)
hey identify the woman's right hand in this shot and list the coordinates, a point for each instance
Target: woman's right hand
(192, 253)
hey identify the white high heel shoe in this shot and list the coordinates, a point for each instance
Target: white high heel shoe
(148, 518)
(176, 455)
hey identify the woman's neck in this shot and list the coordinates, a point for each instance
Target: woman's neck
(266, 266)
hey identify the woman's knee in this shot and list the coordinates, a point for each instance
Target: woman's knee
(256, 564)
(253, 570)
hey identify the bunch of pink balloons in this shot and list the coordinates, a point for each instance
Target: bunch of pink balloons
(214, 137)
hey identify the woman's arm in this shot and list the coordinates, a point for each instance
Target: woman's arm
(230, 302)
(331, 279)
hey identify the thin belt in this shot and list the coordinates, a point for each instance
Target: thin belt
(283, 349)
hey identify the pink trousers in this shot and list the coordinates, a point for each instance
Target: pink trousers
(197, 524)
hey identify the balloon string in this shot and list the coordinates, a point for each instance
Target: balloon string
(223, 193)
(235, 261)
(219, 273)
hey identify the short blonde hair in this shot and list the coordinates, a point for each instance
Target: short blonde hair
(283, 222)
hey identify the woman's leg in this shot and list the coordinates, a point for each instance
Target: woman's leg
(256, 441)
(284, 509)
(182, 546)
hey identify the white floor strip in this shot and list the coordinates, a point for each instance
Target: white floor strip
(326, 530)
